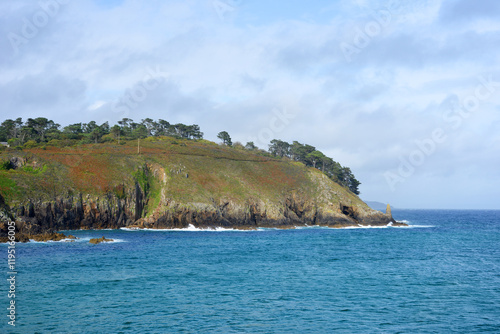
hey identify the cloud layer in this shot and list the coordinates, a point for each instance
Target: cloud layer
(366, 82)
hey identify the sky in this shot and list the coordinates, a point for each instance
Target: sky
(405, 93)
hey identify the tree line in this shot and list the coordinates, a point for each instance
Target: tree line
(310, 156)
(41, 130)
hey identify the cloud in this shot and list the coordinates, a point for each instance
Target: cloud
(463, 10)
(237, 72)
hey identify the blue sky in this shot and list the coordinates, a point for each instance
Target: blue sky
(406, 93)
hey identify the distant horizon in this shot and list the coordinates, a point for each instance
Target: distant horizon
(395, 207)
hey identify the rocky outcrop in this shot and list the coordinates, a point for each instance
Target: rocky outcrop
(96, 241)
(51, 237)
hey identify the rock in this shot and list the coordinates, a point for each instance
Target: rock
(49, 237)
(96, 241)
(17, 162)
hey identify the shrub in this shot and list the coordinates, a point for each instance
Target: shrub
(31, 144)
(237, 145)
(107, 138)
(5, 165)
(119, 191)
(54, 142)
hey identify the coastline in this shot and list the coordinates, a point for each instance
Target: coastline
(60, 236)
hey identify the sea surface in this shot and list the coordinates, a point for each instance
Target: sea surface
(440, 275)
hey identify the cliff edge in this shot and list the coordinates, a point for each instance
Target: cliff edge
(172, 183)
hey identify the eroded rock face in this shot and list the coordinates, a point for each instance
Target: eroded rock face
(74, 212)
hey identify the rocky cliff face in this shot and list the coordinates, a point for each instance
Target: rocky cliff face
(87, 212)
(151, 199)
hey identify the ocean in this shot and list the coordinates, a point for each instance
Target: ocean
(440, 275)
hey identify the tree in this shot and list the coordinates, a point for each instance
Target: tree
(314, 157)
(10, 129)
(25, 133)
(96, 133)
(140, 131)
(6, 129)
(89, 127)
(279, 148)
(300, 151)
(354, 184)
(162, 128)
(116, 131)
(125, 122)
(125, 125)
(250, 146)
(104, 128)
(150, 126)
(194, 132)
(41, 126)
(226, 139)
(73, 129)
(349, 181)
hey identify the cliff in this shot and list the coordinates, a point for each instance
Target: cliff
(172, 183)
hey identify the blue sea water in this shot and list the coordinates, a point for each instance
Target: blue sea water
(440, 275)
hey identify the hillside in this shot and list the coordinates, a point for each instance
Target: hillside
(172, 183)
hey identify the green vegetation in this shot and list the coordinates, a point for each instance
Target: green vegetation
(172, 173)
(41, 130)
(5, 165)
(226, 139)
(41, 133)
(311, 157)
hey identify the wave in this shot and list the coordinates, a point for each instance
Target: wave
(190, 228)
(53, 241)
(84, 239)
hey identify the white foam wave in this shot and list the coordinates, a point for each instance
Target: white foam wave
(67, 240)
(118, 240)
(53, 241)
(190, 228)
(365, 226)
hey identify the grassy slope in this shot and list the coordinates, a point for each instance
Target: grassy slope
(214, 173)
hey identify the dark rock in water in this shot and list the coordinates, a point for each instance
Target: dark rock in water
(96, 241)
(49, 237)
(23, 237)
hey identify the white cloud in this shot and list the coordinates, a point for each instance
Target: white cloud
(231, 73)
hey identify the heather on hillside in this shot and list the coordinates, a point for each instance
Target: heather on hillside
(41, 132)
